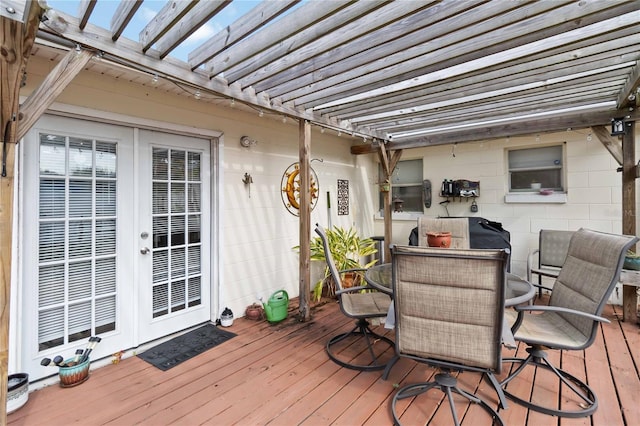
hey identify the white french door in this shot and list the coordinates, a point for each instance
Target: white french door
(115, 238)
(76, 248)
(174, 233)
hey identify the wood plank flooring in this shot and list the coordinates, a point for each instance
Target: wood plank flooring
(280, 375)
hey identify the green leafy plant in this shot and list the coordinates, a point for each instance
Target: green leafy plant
(347, 249)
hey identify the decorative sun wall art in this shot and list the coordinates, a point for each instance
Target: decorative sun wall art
(290, 188)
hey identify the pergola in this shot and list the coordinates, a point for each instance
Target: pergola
(394, 74)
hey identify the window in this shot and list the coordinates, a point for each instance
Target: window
(406, 185)
(532, 169)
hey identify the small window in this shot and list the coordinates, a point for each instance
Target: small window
(533, 169)
(406, 185)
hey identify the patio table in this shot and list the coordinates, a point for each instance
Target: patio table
(517, 291)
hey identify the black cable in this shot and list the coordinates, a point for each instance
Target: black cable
(4, 146)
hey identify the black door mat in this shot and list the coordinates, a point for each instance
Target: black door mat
(179, 349)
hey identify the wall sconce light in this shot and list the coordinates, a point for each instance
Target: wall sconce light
(246, 141)
(617, 126)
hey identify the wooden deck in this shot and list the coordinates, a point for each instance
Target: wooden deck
(280, 375)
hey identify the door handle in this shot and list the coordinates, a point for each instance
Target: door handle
(145, 250)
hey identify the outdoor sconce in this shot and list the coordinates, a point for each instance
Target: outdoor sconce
(247, 142)
(617, 126)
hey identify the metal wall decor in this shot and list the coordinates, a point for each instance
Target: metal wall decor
(290, 188)
(343, 197)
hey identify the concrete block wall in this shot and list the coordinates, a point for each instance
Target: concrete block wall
(593, 187)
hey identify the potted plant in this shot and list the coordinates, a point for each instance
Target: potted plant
(348, 250)
(632, 261)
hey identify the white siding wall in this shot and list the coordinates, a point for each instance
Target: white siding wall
(258, 232)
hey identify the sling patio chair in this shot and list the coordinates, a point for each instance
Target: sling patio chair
(360, 303)
(449, 306)
(550, 254)
(570, 321)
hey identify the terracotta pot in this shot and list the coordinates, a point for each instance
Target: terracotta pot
(254, 312)
(439, 239)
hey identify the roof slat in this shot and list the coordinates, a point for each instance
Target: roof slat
(336, 29)
(550, 61)
(424, 25)
(84, 11)
(296, 21)
(256, 18)
(476, 59)
(168, 16)
(122, 16)
(192, 21)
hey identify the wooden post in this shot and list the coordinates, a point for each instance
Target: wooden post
(629, 296)
(16, 39)
(304, 142)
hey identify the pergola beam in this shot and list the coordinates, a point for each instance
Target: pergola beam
(57, 80)
(17, 36)
(548, 125)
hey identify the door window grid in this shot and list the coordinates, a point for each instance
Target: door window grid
(176, 212)
(77, 238)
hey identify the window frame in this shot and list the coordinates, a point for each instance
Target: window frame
(562, 189)
(402, 184)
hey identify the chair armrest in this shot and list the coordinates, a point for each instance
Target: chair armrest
(355, 289)
(530, 258)
(352, 270)
(540, 308)
(540, 286)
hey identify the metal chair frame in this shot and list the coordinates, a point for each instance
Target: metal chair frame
(360, 303)
(590, 273)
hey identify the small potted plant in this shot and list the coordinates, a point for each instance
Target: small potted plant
(254, 312)
(632, 261)
(347, 250)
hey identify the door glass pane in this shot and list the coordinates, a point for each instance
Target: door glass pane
(160, 232)
(76, 250)
(80, 157)
(176, 260)
(105, 160)
(52, 155)
(80, 198)
(52, 198)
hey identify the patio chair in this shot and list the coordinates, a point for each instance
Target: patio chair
(449, 308)
(571, 319)
(551, 253)
(360, 303)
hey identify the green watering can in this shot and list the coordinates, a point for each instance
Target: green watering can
(277, 306)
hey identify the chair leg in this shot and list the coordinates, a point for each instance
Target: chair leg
(538, 358)
(447, 384)
(361, 330)
(390, 364)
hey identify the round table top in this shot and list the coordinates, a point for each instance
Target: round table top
(518, 290)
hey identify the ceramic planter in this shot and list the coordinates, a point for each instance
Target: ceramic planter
(17, 391)
(439, 239)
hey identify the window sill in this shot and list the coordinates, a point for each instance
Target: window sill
(533, 197)
(408, 216)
